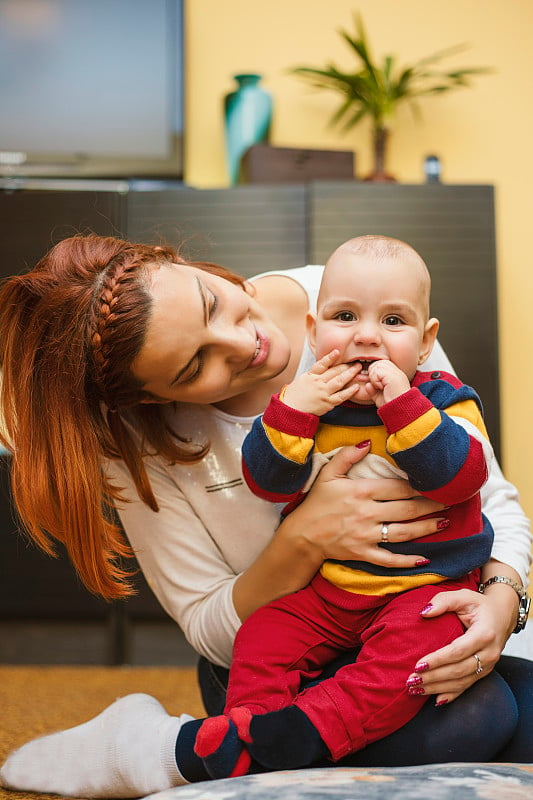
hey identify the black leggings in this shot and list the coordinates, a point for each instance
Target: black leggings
(491, 721)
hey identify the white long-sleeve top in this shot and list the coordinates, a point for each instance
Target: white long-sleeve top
(210, 527)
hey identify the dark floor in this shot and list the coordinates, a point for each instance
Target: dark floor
(139, 643)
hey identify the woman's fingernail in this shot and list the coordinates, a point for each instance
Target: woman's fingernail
(422, 666)
(441, 703)
(362, 445)
(427, 608)
(416, 690)
(442, 524)
(422, 562)
(414, 680)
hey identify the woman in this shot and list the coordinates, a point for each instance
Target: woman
(159, 366)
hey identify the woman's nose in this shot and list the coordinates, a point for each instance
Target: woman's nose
(237, 342)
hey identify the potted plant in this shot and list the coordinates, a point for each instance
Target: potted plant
(375, 90)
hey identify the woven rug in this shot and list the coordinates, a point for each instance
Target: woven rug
(38, 700)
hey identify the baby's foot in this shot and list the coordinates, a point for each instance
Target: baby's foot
(220, 744)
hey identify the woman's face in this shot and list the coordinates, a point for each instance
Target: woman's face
(206, 340)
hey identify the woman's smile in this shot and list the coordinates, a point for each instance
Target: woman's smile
(262, 349)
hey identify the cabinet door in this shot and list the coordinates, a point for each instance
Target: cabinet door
(249, 229)
(32, 221)
(452, 227)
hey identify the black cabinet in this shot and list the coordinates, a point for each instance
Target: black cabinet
(251, 229)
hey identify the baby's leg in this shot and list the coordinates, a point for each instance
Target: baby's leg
(276, 648)
(369, 699)
(281, 645)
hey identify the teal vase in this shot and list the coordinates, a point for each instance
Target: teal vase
(247, 117)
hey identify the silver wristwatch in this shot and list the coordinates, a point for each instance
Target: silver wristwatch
(524, 600)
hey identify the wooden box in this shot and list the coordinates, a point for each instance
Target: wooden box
(265, 164)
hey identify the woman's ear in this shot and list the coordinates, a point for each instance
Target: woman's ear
(428, 339)
(310, 324)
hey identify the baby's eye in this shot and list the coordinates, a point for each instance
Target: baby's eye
(392, 319)
(345, 316)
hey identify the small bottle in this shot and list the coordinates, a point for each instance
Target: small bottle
(432, 169)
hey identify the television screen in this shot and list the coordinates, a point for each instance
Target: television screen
(91, 88)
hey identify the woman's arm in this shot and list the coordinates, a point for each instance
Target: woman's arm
(489, 618)
(212, 565)
(512, 532)
(181, 562)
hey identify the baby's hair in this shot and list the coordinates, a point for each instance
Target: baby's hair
(381, 247)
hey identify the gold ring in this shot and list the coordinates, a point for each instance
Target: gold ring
(384, 533)
(479, 668)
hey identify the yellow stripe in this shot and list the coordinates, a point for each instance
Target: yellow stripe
(354, 580)
(469, 410)
(329, 437)
(415, 432)
(295, 448)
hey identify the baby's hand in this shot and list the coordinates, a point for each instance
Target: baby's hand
(386, 382)
(323, 387)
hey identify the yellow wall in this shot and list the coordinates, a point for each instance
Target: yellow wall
(483, 134)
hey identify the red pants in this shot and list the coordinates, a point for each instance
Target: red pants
(293, 638)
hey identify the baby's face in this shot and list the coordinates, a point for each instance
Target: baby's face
(372, 309)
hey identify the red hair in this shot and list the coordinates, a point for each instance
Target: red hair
(69, 332)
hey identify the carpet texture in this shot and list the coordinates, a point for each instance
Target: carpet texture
(38, 700)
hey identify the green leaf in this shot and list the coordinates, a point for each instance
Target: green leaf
(374, 90)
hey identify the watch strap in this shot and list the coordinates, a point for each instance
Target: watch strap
(519, 589)
(524, 601)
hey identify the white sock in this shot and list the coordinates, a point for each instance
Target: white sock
(126, 751)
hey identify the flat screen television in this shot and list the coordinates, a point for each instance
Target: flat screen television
(91, 88)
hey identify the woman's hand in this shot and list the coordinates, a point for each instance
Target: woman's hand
(342, 518)
(489, 619)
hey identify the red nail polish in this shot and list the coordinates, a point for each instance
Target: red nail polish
(441, 703)
(415, 680)
(422, 562)
(362, 445)
(423, 666)
(442, 524)
(416, 690)
(427, 608)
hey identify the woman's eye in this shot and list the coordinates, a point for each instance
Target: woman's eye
(345, 316)
(195, 369)
(392, 320)
(213, 304)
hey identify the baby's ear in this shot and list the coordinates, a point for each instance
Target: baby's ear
(428, 340)
(310, 323)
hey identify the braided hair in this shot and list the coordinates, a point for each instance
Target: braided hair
(70, 330)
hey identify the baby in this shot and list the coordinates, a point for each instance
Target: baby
(371, 332)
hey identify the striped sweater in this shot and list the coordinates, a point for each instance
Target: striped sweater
(433, 435)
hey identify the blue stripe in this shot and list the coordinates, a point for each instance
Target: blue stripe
(344, 415)
(435, 461)
(442, 394)
(268, 468)
(451, 559)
